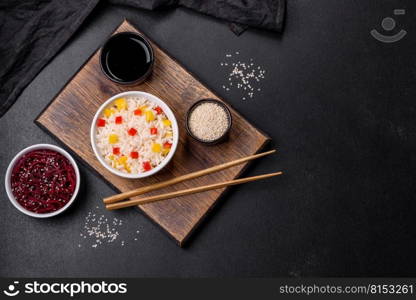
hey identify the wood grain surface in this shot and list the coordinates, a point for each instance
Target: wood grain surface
(68, 118)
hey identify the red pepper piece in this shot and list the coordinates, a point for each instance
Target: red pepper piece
(100, 122)
(132, 131)
(147, 166)
(153, 130)
(116, 150)
(138, 112)
(134, 154)
(158, 110)
(119, 120)
(167, 145)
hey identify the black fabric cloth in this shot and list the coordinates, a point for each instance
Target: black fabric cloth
(33, 31)
(263, 14)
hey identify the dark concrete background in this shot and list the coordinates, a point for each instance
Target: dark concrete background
(340, 107)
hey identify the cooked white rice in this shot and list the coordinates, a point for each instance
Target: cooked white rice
(142, 142)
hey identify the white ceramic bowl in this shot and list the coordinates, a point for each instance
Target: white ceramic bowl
(9, 174)
(166, 110)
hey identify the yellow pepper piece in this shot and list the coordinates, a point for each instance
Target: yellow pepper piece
(121, 103)
(149, 116)
(113, 138)
(127, 167)
(156, 147)
(167, 122)
(169, 134)
(111, 157)
(143, 108)
(165, 151)
(108, 112)
(122, 160)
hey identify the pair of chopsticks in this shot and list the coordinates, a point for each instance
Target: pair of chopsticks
(115, 202)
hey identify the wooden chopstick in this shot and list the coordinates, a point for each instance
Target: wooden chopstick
(204, 188)
(149, 188)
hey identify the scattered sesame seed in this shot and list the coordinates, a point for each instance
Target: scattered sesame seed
(101, 230)
(247, 76)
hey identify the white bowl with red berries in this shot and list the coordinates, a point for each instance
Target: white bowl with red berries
(134, 134)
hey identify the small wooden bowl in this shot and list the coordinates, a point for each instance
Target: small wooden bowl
(229, 119)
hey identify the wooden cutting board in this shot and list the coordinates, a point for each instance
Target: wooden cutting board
(68, 118)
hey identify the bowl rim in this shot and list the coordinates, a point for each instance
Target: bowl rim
(227, 111)
(169, 114)
(139, 79)
(9, 173)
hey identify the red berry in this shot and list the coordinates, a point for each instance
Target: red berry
(134, 154)
(119, 120)
(116, 150)
(167, 145)
(153, 130)
(138, 112)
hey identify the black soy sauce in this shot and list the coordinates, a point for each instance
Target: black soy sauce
(127, 58)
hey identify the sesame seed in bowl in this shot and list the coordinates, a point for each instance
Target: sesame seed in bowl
(208, 121)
